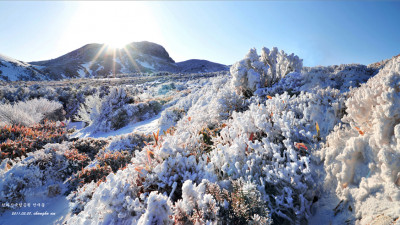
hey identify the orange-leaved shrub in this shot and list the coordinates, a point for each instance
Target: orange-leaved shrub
(18, 140)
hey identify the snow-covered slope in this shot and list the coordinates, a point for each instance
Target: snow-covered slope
(202, 66)
(100, 60)
(95, 60)
(12, 70)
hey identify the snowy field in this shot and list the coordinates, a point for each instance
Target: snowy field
(269, 142)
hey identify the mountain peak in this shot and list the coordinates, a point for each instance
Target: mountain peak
(150, 48)
(94, 60)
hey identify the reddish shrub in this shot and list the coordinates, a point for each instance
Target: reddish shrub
(116, 160)
(17, 140)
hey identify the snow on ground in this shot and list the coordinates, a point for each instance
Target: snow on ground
(77, 125)
(85, 67)
(146, 64)
(109, 78)
(51, 211)
(146, 127)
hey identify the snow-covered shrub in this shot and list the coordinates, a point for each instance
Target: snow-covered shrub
(116, 160)
(90, 146)
(158, 210)
(27, 113)
(115, 111)
(291, 83)
(129, 142)
(89, 174)
(361, 158)
(89, 110)
(49, 166)
(70, 96)
(340, 77)
(81, 196)
(165, 88)
(138, 111)
(196, 206)
(245, 205)
(256, 71)
(215, 98)
(270, 145)
(10, 115)
(112, 102)
(120, 199)
(170, 116)
(206, 203)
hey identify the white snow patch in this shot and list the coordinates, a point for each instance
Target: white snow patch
(146, 127)
(86, 66)
(146, 64)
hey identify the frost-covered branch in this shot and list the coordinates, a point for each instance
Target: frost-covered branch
(256, 71)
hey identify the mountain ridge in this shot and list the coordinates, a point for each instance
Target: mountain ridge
(100, 60)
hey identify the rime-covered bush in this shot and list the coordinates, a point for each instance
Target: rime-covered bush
(89, 110)
(340, 77)
(314, 79)
(362, 157)
(158, 210)
(116, 160)
(12, 115)
(40, 169)
(256, 71)
(207, 203)
(112, 102)
(90, 146)
(81, 196)
(116, 111)
(129, 142)
(196, 205)
(29, 112)
(165, 88)
(113, 201)
(240, 204)
(89, 174)
(261, 146)
(215, 97)
(71, 96)
(171, 116)
(291, 83)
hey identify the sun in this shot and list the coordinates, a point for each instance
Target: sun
(113, 23)
(116, 43)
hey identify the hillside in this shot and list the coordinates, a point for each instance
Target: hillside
(197, 65)
(13, 70)
(270, 142)
(100, 60)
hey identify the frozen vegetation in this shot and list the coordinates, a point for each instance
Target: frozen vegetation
(271, 142)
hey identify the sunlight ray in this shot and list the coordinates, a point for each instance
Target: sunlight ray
(96, 56)
(131, 59)
(114, 62)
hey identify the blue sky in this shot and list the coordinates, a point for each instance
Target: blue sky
(320, 32)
